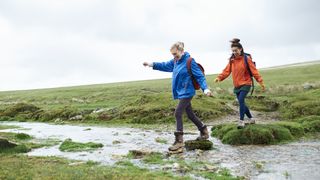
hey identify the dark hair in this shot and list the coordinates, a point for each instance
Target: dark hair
(235, 42)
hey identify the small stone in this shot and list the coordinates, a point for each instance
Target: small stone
(210, 168)
(116, 142)
(307, 86)
(77, 117)
(176, 166)
(137, 154)
(166, 167)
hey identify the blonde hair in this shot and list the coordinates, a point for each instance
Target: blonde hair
(178, 46)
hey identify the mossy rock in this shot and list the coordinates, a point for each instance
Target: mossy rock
(198, 144)
(11, 148)
(5, 144)
(71, 146)
(311, 126)
(295, 129)
(253, 134)
(23, 136)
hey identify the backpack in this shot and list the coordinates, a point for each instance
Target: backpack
(196, 85)
(248, 68)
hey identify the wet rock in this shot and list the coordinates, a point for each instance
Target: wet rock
(116, 142)
(138, 154)
(5, 144)
(98, 111)
(198, 144)
(307, 86)
(166, 167)
(117, 157)
(87, 129)
(127, 134)
(210, 168)
(176, 166)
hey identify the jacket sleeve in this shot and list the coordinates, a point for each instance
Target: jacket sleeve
(225, 73)
(164, 66)
(198, 75)
(254, 71)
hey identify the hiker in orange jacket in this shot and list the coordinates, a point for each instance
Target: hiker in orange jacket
(242, 80)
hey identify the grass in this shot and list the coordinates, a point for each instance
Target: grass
(71, 146)
(149, 104)
(8, 127)
(24, 167)
(24, 142)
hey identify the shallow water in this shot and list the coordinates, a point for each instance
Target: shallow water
(299, 160)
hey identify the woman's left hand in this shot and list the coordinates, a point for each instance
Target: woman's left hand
(208, 93)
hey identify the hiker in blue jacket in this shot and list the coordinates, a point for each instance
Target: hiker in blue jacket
(183, 89)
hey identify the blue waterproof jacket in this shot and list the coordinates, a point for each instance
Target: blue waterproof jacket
(182, 86)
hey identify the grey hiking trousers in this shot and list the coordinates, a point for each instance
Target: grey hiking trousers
(185, 106)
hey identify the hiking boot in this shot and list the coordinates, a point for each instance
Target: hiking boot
(204, 134)
(251, 121)
(178, 143)
(241, 124)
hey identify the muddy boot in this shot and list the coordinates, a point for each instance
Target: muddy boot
(178, 143)
(204, 134)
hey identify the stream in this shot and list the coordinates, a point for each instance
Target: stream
(298, 160)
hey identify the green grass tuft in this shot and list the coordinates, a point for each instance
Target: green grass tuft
(70, 146)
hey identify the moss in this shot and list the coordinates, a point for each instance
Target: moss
(154, 158)
(23, 136)
(198, 144)
(8, 127)
(295, 129)
(311, 126)
(15, 109)
(69, 145)
(252, 134)
(12, 148)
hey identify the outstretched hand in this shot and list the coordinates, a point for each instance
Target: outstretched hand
(209, 94)
(216, 80)
(145, 64)
(263, 87)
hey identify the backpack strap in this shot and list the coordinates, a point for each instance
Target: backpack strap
(248, 68)
(190, 70)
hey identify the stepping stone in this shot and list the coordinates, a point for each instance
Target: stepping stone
(5, 144)
(198, 144)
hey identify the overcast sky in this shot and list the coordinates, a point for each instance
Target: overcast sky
(46, 43)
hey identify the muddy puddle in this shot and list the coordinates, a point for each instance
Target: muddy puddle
(300, 160)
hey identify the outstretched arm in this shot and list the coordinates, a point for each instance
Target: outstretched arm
(225, 73)
(161, 66)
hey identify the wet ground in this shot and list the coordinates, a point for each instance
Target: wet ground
(300, 160)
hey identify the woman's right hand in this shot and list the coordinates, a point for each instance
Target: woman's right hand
(147, 64)
(216, 80)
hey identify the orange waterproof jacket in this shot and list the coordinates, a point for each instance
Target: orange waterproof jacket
(240, 73)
